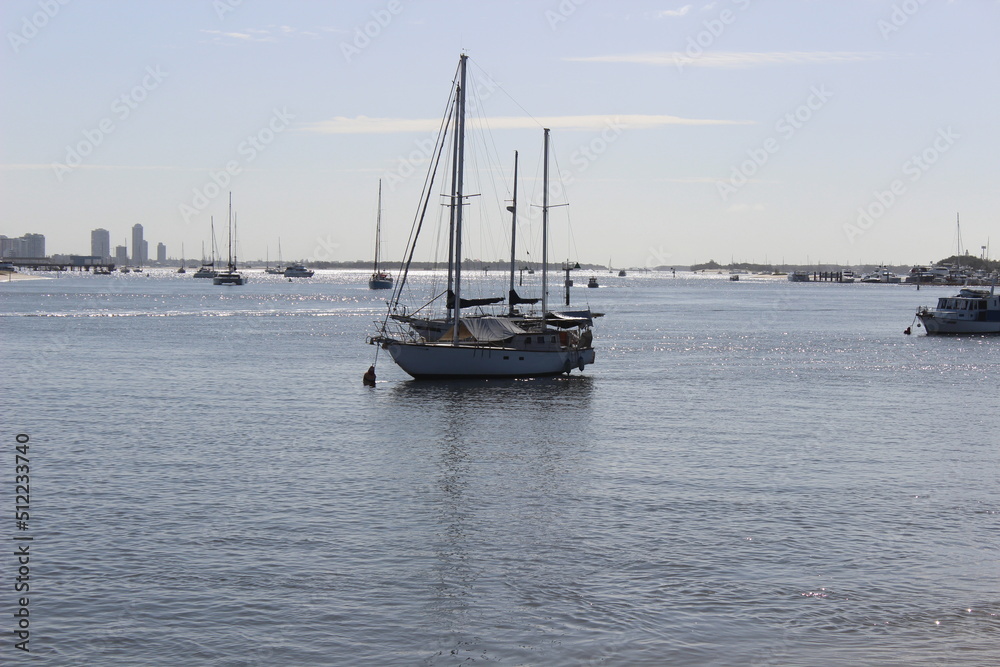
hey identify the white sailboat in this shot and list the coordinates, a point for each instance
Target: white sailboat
(485, 346)
(207, 269)
(277, 270)
(380, 279)
(230, 276)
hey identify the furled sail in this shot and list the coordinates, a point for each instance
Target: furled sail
(471, 303)
(513, 299)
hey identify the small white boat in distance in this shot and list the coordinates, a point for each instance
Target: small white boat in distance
(298, 271)
(971, 311)
(205, 271)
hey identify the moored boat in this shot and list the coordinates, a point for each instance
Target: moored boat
(230, 276)
(482, 345)
(380, 279)
(298, 271)
(971, 311)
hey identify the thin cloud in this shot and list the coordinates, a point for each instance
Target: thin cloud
(85, 167)
(248, 36)
(366, 125)
(674, 13)
(733, 59)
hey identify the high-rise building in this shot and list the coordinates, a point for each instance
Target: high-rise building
(34, 245)
(161, 253)
(29, 245)
(121, 255)
(137, 245)
(100, 244)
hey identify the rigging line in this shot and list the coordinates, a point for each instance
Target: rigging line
(488, 132)
(428, 185)
(484, 138)
(509, 96)
(422, 209)
(571, 238)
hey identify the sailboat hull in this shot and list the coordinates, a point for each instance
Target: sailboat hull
(228, 278)
(441, 361)
(380, 283)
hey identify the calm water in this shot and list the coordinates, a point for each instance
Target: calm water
(753, 473)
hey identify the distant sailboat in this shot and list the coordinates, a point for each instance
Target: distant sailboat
(207, 269)
(277, 270)
(182, 269)
(230, 276)
(380, 279)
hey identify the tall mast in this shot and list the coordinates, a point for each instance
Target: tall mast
(513, 235)
(545, 231)
(451, 212)
(230, 244)
(457, 195)
(958, 233)
(378, 224)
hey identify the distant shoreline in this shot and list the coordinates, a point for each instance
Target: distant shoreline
(11, 276)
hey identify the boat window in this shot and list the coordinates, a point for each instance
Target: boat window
(527, 341)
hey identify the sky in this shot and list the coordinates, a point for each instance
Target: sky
(789, 131)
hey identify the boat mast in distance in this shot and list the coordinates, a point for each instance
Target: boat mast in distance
(380, 279)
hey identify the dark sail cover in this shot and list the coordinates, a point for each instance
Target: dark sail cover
(514, 299)
(470, 303)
